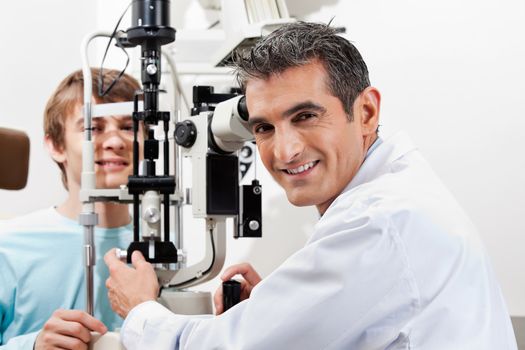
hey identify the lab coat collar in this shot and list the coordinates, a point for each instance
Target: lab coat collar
(378, 162)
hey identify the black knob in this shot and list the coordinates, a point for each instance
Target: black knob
(242, 108)
(231, 293)
(185, 133)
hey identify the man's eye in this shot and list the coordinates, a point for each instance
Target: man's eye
(96, 129)
(304, 116)
(127, 128)
(262, 128)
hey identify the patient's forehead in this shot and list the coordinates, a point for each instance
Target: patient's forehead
(79, 120)
(77, 114)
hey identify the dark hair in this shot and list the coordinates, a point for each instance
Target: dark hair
(69, 95)
(300, 43)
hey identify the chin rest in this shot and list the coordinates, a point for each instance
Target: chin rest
(14, 159)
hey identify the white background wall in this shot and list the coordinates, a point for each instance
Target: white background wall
(451, 73)
(39, 45)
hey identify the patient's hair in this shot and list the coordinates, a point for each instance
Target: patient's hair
(69, 95)
(300, 43)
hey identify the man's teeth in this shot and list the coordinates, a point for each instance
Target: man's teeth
(111, 163)
(301, 168)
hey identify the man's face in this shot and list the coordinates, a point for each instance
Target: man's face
(304, 136)
(112, 138)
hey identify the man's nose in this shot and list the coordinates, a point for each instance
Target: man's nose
(113, 140)
(288, 146)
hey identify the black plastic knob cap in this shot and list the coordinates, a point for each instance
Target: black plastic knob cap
(185, 133)
(231, 294)
(242, 108)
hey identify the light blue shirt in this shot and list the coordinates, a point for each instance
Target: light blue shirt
(394, 263)
(42, 270)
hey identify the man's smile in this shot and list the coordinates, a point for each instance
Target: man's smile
(112, 163)
(301, 169)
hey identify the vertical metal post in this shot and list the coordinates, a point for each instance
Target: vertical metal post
(88, 218)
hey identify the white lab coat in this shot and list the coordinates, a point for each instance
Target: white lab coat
(394, 263)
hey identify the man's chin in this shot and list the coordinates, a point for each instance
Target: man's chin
(300, 200)
(109, 183)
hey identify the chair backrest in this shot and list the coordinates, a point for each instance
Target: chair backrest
(14, 159)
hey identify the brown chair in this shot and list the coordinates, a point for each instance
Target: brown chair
(14, 159)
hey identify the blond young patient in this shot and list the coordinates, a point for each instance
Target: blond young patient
(42, 288)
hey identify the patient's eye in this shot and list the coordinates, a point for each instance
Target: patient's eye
(96, 129)
(127, 127)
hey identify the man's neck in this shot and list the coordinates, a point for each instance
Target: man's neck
(110, 215)
(369, 142)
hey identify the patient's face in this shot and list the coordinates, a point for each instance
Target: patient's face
(112, 140)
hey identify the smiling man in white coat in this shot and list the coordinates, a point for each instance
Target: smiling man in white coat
(393, 263)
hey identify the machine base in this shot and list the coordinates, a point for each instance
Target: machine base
(108, 341)
(187, 302)
(179, 302)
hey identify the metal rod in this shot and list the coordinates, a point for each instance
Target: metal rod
(135, 135)
(88, 218)
(166, 217)
(166, 155)
(89, 255)
(136, 217)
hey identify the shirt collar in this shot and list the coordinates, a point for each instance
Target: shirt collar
(380, 156)
(372, 148)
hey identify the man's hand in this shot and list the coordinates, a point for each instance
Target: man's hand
(130, 286)
(68, 329)
(251, 278)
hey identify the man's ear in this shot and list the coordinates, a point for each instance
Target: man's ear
(370, 101)
(57, 153)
